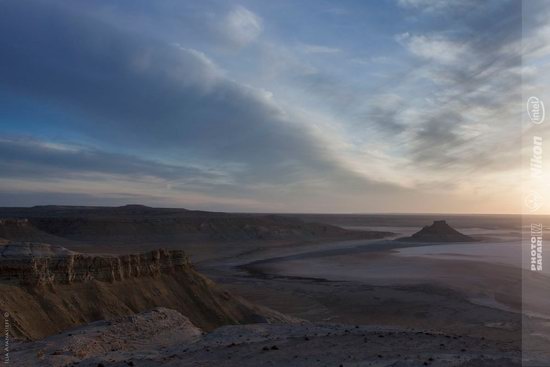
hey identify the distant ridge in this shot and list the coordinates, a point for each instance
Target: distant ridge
(114, 228)
(439, 231)
(135, 206)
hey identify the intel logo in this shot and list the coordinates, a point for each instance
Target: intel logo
(535, 109)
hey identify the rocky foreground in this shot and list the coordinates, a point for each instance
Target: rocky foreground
(164, 337)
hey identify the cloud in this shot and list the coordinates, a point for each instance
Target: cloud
(473, 77)
(242, 26)
(157, 98)
(27, 158)
(434, 48)
(20, 198)
(435, 5)
(384, 113)
(337, 11)
(319, 49)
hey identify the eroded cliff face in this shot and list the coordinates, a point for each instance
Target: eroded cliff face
(46, 289)
(34, 264)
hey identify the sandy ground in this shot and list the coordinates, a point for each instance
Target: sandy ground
(163, 337)
(372, 284)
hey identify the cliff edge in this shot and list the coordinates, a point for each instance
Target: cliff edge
(46, 289)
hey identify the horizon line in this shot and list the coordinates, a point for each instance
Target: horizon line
(278, 212)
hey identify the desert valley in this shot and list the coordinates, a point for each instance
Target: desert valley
(141, 286)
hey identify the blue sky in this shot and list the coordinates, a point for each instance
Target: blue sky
(285, 106)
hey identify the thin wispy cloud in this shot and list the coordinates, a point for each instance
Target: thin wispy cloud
(241, 26)
(319, 49)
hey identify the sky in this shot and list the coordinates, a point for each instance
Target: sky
(267, 106)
